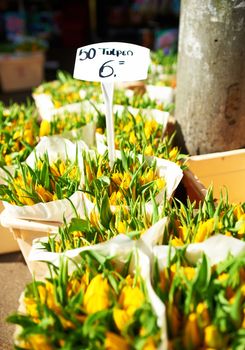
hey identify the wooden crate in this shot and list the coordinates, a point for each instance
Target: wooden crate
(21, 72)
(222, 170)
(25, 231)
(8, 243)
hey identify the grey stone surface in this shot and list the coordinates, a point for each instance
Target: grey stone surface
(14, 275)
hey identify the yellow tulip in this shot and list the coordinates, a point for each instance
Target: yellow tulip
(149, 344)
(121, 227)
(131, 299)
(189, 272)
(138, 118)
(8, 159)
(31, 307)
(238, 211)
(94, 218)
(160, 183)
(121, 318)
(51, 297)
(132, 138)
(44, 194)
(39, 341)
(26, 200)
(192, 339)
(45, 128)
(183, 232)
(148, 177)
(241, 223)
(126, 181)
(204, 230)
(243, 322)
(212, 337)
(177, 242)
(149, 150)
(99, 131)
(173, 153)
(115, 342)
(128, 127)
(16, 135)
(62, 168)
(203, 314)
(28, 136)
(57, 104)
(96, 297)
(223, 277)
(117, 178)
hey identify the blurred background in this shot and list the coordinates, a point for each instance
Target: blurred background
(56, 28)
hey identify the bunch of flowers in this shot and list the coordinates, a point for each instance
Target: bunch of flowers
(97, 306)
(204, 304)
(103, 223)
(138, 100)
(66, 122)
(190, 225)
(162, 70)
(31, 44)
(167, 61)
(66, 90)
(130, 179)
(18, 132)
(44, 182)
(144, 134)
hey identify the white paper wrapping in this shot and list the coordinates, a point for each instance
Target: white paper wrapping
(57, 147)
(163, 94)
(44, 104)
(216, 248)
(54, 211)
(149, 238)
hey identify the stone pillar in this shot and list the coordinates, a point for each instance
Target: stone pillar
(210, 99)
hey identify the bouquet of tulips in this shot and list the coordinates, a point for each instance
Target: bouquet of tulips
(39, 188)
(67, 122)
(66, 90)
(102, 303)
(99, 224)
(204, 302)
(145, 133)
(132, 177)
(104, 222)
(162, 70)
(18, 132)
(44, 182)
(71, 125)
(138, 100)
(168, 62)
(190, 225)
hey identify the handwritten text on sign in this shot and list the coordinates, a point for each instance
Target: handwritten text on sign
(112, 61)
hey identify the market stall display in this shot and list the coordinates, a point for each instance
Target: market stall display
(120, 261)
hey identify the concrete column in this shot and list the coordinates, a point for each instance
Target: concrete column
(210, 101)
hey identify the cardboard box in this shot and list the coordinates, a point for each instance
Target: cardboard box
(222, 170)
(21, 72)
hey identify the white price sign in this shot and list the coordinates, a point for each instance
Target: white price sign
(113, 61)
